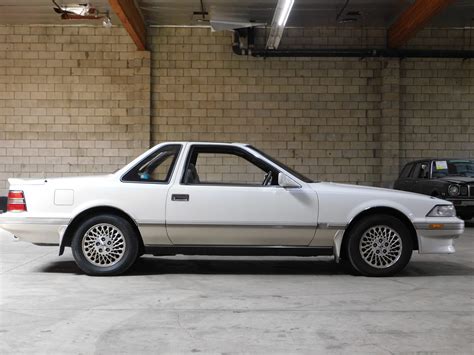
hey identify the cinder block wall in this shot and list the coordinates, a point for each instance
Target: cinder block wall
(348, 120)
(320, 116)
(77, 100)
(436, 109)
(73, 100)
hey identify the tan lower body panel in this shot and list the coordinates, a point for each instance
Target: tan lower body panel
(154, 234)
(240, 235)
(324, 237)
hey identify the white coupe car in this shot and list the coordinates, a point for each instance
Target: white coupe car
(224, 199)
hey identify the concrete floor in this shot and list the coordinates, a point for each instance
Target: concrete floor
(228, 305)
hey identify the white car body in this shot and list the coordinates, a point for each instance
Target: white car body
(315, 215)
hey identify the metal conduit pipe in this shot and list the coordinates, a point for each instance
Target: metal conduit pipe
(354, 53)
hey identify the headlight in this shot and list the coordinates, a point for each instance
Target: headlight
(442, 211)
(453, 190)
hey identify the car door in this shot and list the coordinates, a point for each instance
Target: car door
(220, 200)
(412, 179)
(418, 176)
(404, 179)
(145, 189)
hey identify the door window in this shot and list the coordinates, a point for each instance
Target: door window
(406, 171)
(424, 171)
(416, 171)
(224, 165)
(157, 167)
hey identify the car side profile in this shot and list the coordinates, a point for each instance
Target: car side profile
(449, 179)
(200, 198)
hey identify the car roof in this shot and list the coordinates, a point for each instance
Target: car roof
(204, 142)
(430, 159)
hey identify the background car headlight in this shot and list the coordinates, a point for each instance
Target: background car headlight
(453, 190)
(442, 211)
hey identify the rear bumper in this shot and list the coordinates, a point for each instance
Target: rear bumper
(47, 231)
(437, 236)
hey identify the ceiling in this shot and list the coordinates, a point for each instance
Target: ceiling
(305, 13)
(40, 12)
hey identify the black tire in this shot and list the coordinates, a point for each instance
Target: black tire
(374, 258)
(117, 257)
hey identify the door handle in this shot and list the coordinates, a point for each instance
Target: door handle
(179, 197)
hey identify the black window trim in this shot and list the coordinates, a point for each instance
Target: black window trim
(230, 148)
(174, 164)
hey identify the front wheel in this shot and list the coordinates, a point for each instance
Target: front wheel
(379, 245)
(105, 245)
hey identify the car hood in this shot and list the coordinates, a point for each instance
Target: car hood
(372, 192)
(457, 179)
(342, 202)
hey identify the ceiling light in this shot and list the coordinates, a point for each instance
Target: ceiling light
(285, 12)
(282, 12)
(107, 22)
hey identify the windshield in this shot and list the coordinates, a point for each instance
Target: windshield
(283, 166)
(442, 168)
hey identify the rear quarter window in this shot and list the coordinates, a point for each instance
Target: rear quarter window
(406, 170)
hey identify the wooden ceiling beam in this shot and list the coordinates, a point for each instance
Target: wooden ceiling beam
(131, 19)
(413, 19)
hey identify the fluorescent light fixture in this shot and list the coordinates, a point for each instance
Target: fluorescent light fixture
(285, 12)
(282, 12)
(224, 25)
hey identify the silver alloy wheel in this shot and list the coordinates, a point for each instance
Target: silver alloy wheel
(103, 245)
(380, 246)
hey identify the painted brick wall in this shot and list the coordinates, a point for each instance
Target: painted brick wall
(319, 116)
(437, 109)
(348, 120)
(73, 100)
(77, 100)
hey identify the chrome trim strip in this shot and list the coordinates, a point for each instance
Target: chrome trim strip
(149, 222)
(447, 226)
(246, 225)
(231, 225)
(33, 220)
(334, 226)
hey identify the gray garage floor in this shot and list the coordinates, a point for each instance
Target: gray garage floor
(225, 305)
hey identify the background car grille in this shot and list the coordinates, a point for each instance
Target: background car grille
(471, 190)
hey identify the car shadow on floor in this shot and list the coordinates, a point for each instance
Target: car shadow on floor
(159, 266)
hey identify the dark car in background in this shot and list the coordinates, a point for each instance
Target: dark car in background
(449, 179)
(3, 204)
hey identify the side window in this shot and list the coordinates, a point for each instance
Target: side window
(223, 165)
(424, 171)
(157, 167)
(406, 171)
(416, 171)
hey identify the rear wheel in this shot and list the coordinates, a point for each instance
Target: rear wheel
(105, 245)
(379, 245)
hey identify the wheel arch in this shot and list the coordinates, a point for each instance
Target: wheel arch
(375, 211)
(94, 211)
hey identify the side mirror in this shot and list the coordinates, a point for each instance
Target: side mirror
(287, 182)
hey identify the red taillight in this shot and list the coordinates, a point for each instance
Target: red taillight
(16, 201)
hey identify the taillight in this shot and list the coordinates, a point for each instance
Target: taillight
(16, 201)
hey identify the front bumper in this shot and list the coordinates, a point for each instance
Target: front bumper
(463, 206)
(36, 230)
(436, 236)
